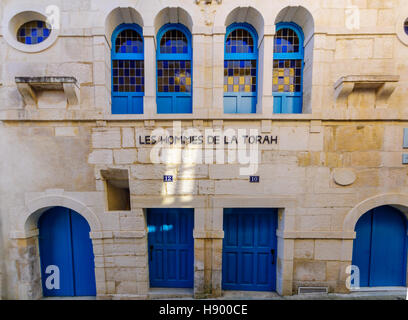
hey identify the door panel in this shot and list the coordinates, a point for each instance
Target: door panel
(388, 248)
(250, 235)
(362, 247)
(379, 249)
(55, 249)
(83, 257)
(171, 247)
(64, 241)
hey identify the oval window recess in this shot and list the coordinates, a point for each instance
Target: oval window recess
(29, 32)
(401, 27)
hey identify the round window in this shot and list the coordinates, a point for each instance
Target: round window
(33, 32)
(406, 26)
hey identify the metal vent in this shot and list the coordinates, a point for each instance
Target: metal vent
(312, 290)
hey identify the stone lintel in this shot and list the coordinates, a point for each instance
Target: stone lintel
(205, 234)
(115, 174)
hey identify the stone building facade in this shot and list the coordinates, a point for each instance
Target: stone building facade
(322, 169)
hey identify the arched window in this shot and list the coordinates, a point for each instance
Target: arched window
(127, 70)
(33, 32)
(240, 69)
(287, 79)
(174, 70)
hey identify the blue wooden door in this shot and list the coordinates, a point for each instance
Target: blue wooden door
(249, 249)
(64, 242)
(171, 247)
(379, 249)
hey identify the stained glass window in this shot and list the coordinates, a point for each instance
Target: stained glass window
(174, 76)
(33, 32)
(174, 70)
(128, 75)
(128, 78)
(287, 75)
(239, 41)
(129, 41)
(286, 41)
(174, 41)
(240, 76)
(240, 69)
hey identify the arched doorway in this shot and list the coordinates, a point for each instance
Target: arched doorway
(379, 249)
(66, 254)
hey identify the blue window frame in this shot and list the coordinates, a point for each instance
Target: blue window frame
(33, 32)
(288, 57)
(174, 70)
(240, 69)
(127, 69)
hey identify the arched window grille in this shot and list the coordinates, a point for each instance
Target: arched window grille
(240, 69)
(174, 70)
(127, 70)
(288, 57)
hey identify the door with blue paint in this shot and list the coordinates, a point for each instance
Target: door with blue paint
(64, 242)
(379, 249)
(171, 247)
(249, 249)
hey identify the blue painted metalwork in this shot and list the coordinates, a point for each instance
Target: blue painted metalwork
(174, 70)
(33, 32)
(249, 249)
(64, 242)
(288, 68)
(240, 69)
(171, 247)
(127, 69)
(379, 249)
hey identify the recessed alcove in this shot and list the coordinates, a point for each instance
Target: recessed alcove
(117, 189)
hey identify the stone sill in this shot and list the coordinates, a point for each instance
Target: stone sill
(30, 86)
(331, 114)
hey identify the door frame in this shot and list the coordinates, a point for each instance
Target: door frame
(25, 236)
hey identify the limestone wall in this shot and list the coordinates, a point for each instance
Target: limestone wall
(54, 155)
